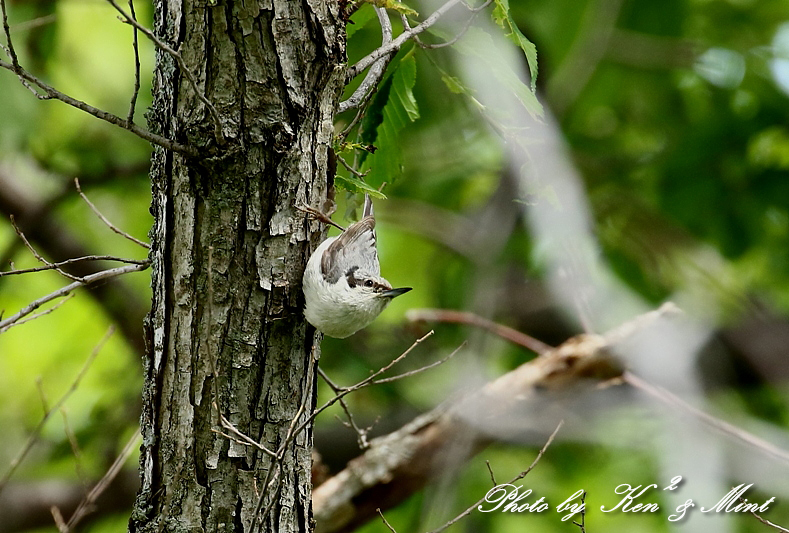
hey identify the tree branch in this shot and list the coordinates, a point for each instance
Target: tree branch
(402, 462)
(63, 291)
(376, 72)
(220, 138)
(395, 45)
(48, 412)
(50, 92)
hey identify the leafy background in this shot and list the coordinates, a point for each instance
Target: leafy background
(675, 113)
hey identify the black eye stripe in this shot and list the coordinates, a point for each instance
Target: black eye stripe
(350, 278)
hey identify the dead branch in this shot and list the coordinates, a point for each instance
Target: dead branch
(65, 291)
(376, 72)
(28, 80)
(461, 317)
(394, 45)
(402, 462)
(510, 482)
(87, 505)
(130, 19)
(52, 409)
(106, 220)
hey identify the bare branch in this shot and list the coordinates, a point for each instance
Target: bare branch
(730, 430)
(43, 313)
(37, 430)
(461, 33)
(39, 256)
(421, 369)
(387, 524)
(365, 382)
(764, 520)
(72, 439)
(220, 139)
(107, 222)
(51, 266)
(352, 170)
(461, 317)
(51, 92)
(376, 72)
(87, 505)
(64, 291)
(361, 434)
(395, 44)
(135, 92)
(510, 482)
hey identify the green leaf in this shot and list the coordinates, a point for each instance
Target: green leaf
(454, 84)
(384, 123)
(359, 20)
(354, 184)
(502, 17)
(479, 44)
(394, 5)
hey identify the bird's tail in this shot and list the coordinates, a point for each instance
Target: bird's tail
(368, 206)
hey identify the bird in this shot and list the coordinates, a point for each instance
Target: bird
(343, 288)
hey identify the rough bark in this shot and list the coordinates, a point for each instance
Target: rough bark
(229, 249)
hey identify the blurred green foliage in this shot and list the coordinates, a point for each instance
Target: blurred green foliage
(674, 113)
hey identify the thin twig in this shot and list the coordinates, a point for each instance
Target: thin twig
(474, 12)
(38, 255)
(43, 313)
(365, 382)
(361, 434)
(387, 524)
(87, 506)
(9, 49)
(51, 266)
(490, 470)
(50, 93)
(513, 480)
(671, 399)
(370, 82)
(64, 291)
(106, 221)
(35, 23)
(240, 437)
(395, 44)
(72, 439)
(220, 139)
(37, 430)
(352, 170)
(471, 319)
(421, 369)
(582, 523)
(136, 91)
(764, 520)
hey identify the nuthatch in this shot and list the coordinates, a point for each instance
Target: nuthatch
(343, 286)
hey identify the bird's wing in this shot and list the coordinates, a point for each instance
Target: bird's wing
(354, 248)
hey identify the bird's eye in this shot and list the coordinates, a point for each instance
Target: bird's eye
(368, 283)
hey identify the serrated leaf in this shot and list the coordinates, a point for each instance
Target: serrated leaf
(453, 84)
(354, 184)
(479, 44)
(394, 5)
(502, 17)
(360, 18)
(400, 109)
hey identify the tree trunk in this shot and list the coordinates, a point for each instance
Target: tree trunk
(229, 250)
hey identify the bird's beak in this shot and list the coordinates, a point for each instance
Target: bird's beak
(395, 292)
